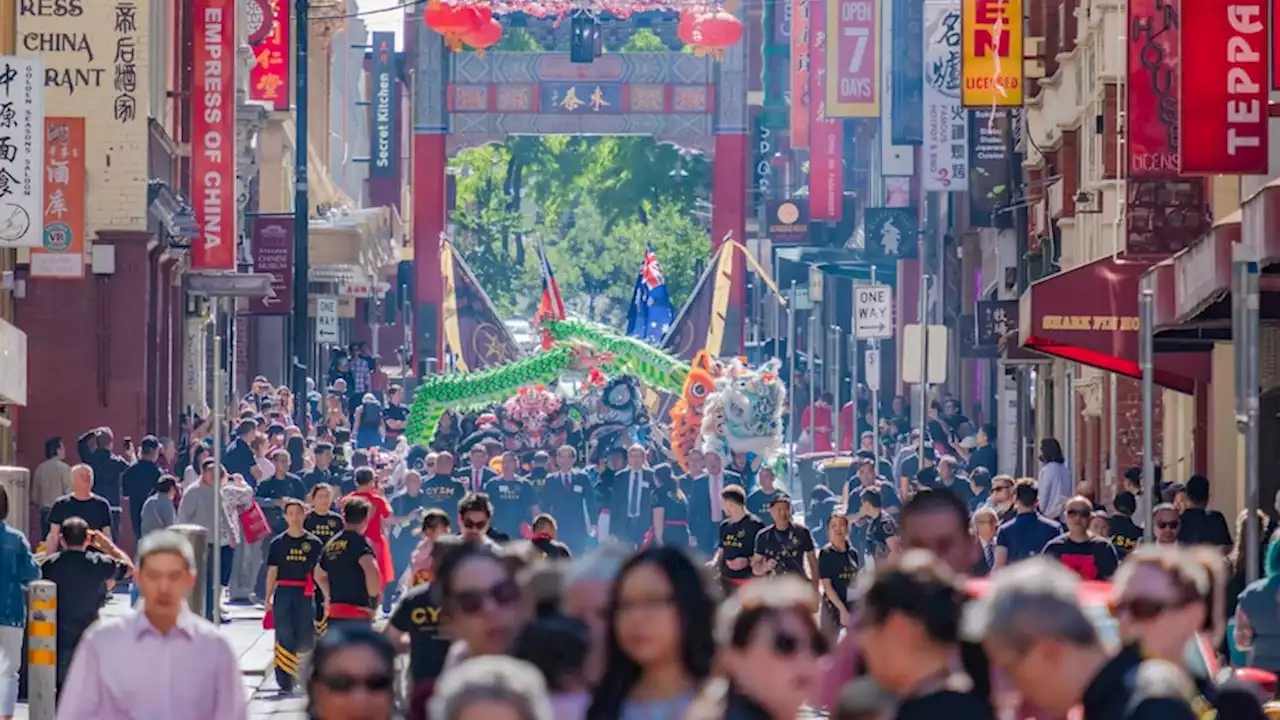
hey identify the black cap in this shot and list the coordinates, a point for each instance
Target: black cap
(779, 496)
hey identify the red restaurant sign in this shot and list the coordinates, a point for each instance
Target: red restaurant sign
(1152, 89)
(213, 132)
(269, 75)
(853, 58)
(826, 135)
(1225, 129)
(799, 74)
(272, 238)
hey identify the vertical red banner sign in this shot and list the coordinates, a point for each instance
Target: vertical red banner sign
(826, 135)
(1275, 45)
(800, 73)
(272, 238)
(62, 255)
(853, 58)
(213, 134)
(1152, 89)
(1224, 131)
(269, 76)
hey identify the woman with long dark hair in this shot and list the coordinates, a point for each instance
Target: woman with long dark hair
(670, 509)
(1054, 480)
(660, 644)
(352, 676)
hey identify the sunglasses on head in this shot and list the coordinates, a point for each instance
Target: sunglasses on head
(503, 595)
(348, 683)
(1142, 609)
(788, 645)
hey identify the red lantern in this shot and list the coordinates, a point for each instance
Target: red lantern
(481, 15)
(448, 19)
(717, 30)
(684, 30)
(485, 37)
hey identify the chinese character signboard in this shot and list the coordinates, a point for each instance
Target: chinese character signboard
(272, 238)
(21, 152)
(1225, 129)
(386, 103)
(62, 252)
(992, 64)
(826, 135)
(853, 58)
(990, 142)
(269, 74)
(563, 98)
(890, 233)
(799, 125)
(1151, 88)
(907, 86)
(946, 124)
(213, 133)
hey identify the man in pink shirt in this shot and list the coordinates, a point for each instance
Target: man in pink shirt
(159, 661)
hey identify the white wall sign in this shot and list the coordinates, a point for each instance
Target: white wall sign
(946, 122)
(21, 152)
(873, 312)
(326, 320)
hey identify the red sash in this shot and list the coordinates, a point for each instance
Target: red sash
(308, 586)
(347, 611)
(648, 536)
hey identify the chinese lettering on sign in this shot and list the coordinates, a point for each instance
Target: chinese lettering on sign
(269, 74)
(125, 72)
(21, 152)
(946, 123)
(62, 255)
(572, 99)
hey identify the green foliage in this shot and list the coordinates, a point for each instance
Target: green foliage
(595, 202)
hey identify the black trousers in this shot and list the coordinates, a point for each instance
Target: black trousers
(294, 615)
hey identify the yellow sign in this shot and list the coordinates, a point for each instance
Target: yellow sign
(991, 53)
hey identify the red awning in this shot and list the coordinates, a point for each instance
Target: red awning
(1089, 315)
(1202, 272)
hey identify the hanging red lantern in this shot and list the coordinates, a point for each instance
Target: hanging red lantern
(716, 31)
(485, 36)
(448, 19)
(480, 17)
(684, 29)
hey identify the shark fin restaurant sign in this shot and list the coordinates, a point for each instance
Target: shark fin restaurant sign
(991, 54)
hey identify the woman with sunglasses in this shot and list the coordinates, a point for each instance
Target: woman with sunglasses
(909, 633)
(660, 643)
(770, 649)
(352, 676)
(480, 599)
(1165, 599)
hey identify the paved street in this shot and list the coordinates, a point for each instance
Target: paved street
(255, 648)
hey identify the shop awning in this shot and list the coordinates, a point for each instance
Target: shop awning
(1261, 222)
(1089, 315)
(1202, 272)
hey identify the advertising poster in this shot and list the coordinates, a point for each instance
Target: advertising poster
(946, 123)
(853, 58)
(992, 53)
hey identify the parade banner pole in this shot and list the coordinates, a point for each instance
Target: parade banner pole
(1146, 315)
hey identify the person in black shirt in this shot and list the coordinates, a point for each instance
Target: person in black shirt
(239, 459)
(822, 505)
(84, 573)
(417, 618)
(544, 539)
(784, 548)
(880, 533)
(348, 573)
(760, 498)
(911, 616)
(838, 565)
(1201, 526)
(324, 523)
(671, 509)
(515, 501)
(738, 532)
(81, 503)
(442, 489)
(291, 562)
(140, 480)
(864, 477)
(1091, 557)
(278, 489)
(321, 473)
(108, 471)
(394, 416)
(1125, 533)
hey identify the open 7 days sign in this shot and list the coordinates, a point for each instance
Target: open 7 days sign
(873, 312)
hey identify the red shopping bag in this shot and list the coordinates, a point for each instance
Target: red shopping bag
(253, 523)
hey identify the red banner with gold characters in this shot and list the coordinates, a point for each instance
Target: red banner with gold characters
(1152, 89)
(1224, 131)
(213, 134)
(62, 253)
(826, 135)
(799, 73)
(991, 53)
(269, 75)
(853, 58)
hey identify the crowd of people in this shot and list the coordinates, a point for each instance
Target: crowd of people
(927, 585)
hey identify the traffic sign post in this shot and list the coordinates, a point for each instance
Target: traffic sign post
(871, 359)
(873, 312)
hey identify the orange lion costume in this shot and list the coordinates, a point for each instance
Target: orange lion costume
(686, 414)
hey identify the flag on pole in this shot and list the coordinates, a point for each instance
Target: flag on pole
(651, 313)
(551, 306)
(475, 335)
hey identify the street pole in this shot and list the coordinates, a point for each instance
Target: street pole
(1071, 417)
(1244, 292)
(924, 358)
(301, 225)
(215, 612)
(1146, 343)
(794, 424)
(834, 342)
(810, 341)
(873, 383)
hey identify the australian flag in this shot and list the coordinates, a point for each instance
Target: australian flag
(651, 313)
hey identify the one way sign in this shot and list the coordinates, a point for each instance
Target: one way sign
(873, 312)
